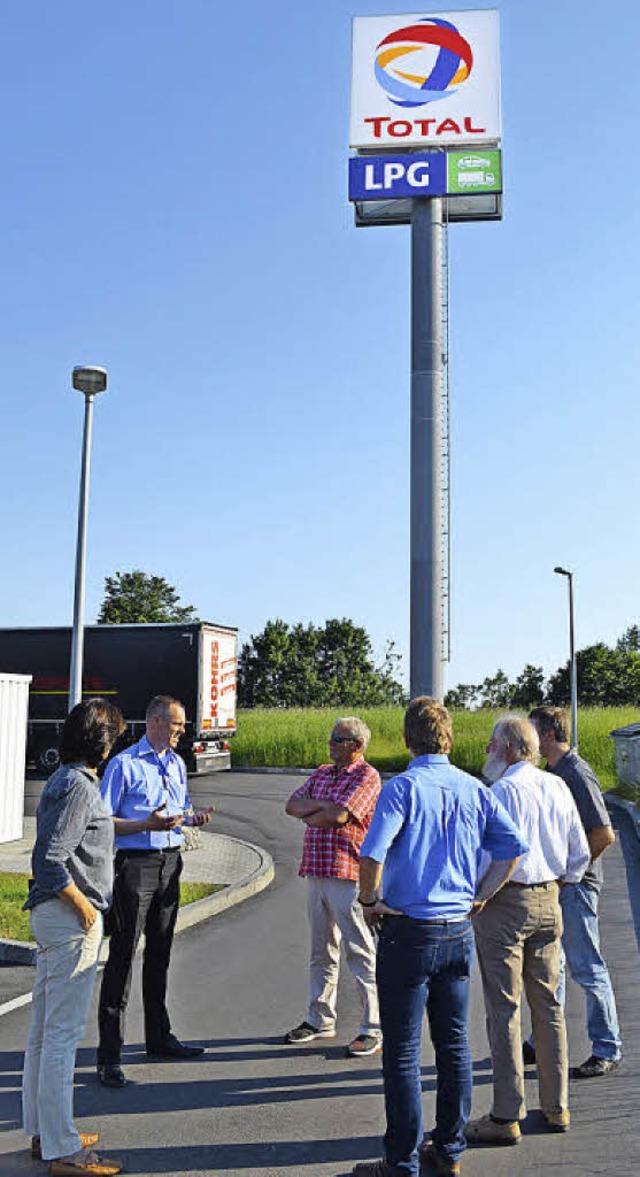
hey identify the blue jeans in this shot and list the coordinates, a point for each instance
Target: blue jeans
(421, 964)
(581, 943)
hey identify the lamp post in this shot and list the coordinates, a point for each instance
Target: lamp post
(89, 381)
(573, 677)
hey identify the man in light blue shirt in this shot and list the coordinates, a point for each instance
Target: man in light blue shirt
(145, 790)
(429, 829)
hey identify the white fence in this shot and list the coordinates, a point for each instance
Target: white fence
(14, 702)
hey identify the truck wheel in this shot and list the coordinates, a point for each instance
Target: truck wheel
(47, 760)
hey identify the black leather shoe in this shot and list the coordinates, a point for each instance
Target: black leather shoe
(174, 1049)
(528, 1054)
(111, 1075)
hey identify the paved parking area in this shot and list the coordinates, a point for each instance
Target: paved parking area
(253, 1107)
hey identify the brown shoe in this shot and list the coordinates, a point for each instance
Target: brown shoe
(91, 1165)
(87, 1140)
(487, 1131)
(431, 1158)
(558, 1121)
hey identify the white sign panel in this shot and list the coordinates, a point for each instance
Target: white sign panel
(427, 79)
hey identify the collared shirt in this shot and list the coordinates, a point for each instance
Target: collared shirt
(335, 853)
(429, 829)
(584, 787)
(74, 840)
(136, 782)
(544, 811)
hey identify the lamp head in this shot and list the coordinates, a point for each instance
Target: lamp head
(562, 571)
(88, 379)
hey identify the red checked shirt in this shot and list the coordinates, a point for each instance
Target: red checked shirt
(335, 853)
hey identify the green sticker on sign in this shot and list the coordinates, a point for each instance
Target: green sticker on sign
(474, 171)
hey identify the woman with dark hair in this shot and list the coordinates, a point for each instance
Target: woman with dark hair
(72, 866)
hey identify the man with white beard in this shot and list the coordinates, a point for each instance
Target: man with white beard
(518, 934)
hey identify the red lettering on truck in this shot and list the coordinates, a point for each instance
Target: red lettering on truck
(215, 670)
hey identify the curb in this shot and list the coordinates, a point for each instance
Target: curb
(233, 893)
(266, 771)
(632, 811)
(24, 953)
(384, 776)
(17, 952)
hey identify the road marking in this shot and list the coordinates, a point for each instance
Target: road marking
(15, 1004)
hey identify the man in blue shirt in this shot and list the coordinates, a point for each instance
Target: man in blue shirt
(429, 829)
(145, 790)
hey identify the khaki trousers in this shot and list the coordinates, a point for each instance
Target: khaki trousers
(518, 940)
(336, 917)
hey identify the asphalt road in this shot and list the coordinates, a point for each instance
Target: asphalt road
(253, 1107)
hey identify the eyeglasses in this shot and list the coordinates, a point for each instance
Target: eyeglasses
(342, 739)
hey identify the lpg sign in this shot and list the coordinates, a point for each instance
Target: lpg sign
(425, 79)
(385, 176)
(424, 173)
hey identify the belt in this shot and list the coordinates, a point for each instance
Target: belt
(137, 853)
(459, 919)
(549, 883)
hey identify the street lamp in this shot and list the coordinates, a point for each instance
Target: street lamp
(89, 381)
(573, 677)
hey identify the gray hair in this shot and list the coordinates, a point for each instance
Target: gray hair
(356, 728)
(520, 735)
(160, 705)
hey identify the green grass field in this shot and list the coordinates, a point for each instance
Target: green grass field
(14, 923)
(298, 738)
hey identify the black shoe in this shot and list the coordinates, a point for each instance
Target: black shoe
(594, 1068)
(111, 1075)
(528, 1054)
(174, 1049)
(305, 1032)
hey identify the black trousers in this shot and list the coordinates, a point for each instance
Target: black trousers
(146, 898)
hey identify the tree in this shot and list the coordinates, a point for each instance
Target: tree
(135, 596)
(528, 690)
(315, 666)
(496, 691)
(462, 697)
(606, 678)
(630, 640)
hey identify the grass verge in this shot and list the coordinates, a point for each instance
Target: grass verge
(297, 738)
(14, 923)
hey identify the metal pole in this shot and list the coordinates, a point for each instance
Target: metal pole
(573, 674)
(77, 637)
(426, 668)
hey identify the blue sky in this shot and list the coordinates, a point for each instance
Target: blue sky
(174, 207)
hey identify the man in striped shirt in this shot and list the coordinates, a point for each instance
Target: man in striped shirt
(336, 805)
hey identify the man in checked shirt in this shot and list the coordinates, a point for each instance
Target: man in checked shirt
(336, 804)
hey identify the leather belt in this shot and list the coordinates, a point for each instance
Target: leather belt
(135, 852)
(459, 919)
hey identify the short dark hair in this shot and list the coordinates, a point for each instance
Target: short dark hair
(552, 721)
(428, 726)
(160, 705)
(90, 731)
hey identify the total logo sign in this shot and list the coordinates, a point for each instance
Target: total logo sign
(425, 79)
